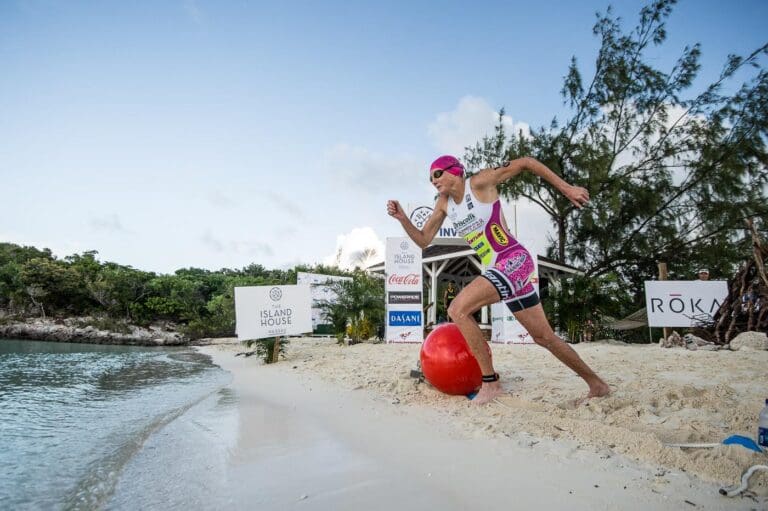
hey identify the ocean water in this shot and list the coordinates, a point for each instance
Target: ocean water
(74, 417)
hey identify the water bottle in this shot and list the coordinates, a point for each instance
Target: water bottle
(762, 428)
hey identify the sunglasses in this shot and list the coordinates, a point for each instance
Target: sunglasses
(439, 172)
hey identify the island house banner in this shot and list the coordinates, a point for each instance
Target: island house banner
(403, 291)
(683, 303)
(272, 311)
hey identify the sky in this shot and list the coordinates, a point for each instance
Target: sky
(216, 134)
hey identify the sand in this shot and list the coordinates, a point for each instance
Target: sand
(533, 445)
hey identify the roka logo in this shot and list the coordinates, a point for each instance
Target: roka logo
(409, 279)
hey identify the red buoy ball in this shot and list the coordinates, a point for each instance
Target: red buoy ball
(447, 362)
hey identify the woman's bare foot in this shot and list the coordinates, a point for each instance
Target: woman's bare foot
(597, 389)
(488, 392)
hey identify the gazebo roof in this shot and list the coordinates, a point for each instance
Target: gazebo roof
(461, 252)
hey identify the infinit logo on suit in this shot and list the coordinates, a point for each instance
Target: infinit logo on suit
(405, 318)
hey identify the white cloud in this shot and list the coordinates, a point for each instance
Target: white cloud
(471, 120)
(283, 203)
(220, 199)
(362, 169)
(254, 248)
(192, 10)
(214, 244)
(360, 247)
(110, 223)
(249, 247)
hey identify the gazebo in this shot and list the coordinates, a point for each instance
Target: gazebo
(452, 259)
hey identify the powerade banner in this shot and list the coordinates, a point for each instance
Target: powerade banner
(403, 287)
(400, 297)
(272, 311)
(683, 302)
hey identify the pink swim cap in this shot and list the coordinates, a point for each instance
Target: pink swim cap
(449, 164)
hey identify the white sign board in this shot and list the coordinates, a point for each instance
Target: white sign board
(403, 290)
(505, 329)
(419, 216)
(683, 303)
(272, 311)
(320, 291)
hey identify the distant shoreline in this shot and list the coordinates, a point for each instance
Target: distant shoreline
(67, 330)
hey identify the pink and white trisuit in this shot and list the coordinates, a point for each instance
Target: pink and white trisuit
(509, 266)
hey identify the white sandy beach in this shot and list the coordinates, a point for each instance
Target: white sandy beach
(340, 427)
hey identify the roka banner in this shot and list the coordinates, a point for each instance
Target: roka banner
(683, 302)
(403, 289)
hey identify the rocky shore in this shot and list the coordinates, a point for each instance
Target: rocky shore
(70, 330)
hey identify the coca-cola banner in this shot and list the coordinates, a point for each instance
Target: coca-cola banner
(405, 314)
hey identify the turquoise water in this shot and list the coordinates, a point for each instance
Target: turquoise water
(73, 416)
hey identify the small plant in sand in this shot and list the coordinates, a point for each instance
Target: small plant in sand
(265, 348)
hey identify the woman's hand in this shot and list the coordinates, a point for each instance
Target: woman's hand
(577, 195)
(395, 210)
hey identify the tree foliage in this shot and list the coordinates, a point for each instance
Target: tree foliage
(672, 173)
(35, 283)
(358, 310)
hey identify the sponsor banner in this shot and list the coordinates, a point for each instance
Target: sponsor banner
(414, 334)
(683, 303)
(404, 298)
(272, 311)
(403, 286)
(505, 329)
(404, 318)
(421, 214)
(320, 291)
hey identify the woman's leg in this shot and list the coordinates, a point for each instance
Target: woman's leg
(535, 321)
(477, 294)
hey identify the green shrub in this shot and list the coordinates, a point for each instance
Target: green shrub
(265, 348)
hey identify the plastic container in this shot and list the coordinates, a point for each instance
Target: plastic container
(762, 428)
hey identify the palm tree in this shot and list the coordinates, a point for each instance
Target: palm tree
(358, 308)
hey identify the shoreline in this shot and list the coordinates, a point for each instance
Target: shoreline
(507, 452)
(69, 330)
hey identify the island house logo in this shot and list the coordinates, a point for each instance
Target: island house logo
(405, 258)
(278, 317)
